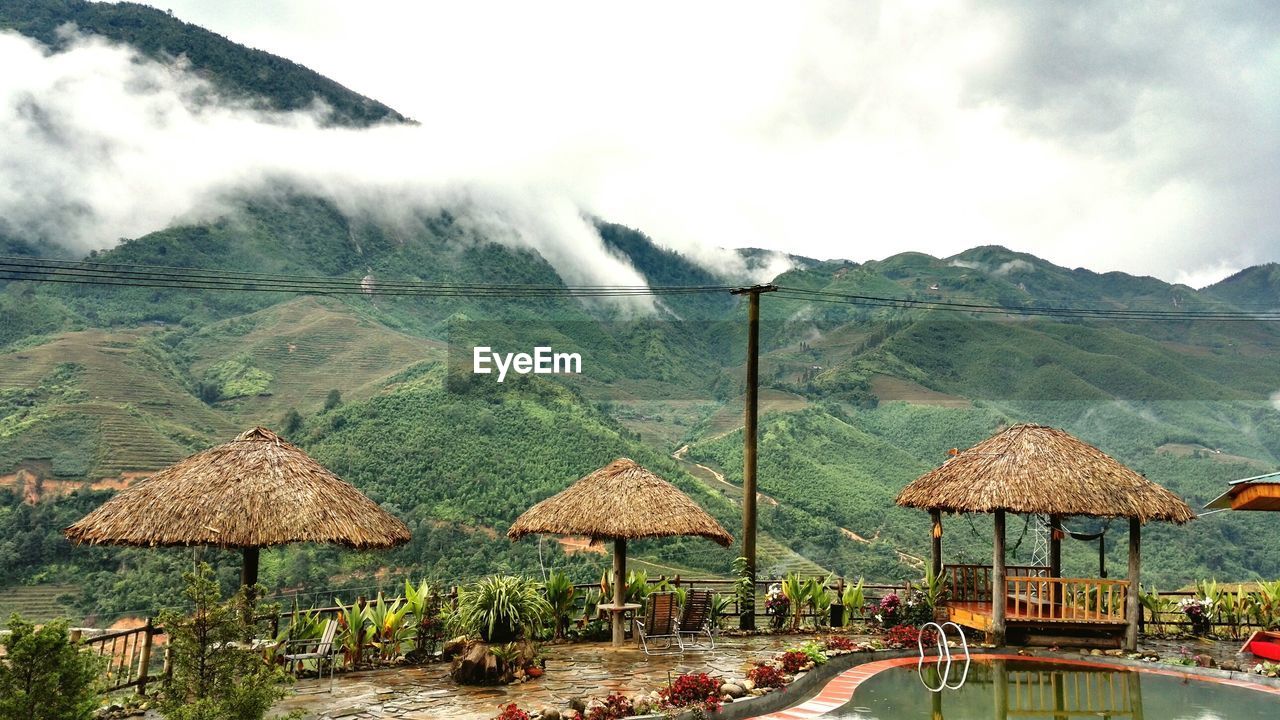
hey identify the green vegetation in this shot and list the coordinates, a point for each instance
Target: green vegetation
(44, 676)
(502, 608)
(213, 676)
(236, 70)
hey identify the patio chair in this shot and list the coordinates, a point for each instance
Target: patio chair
(695, 620)
(660, 623)
(324, 650)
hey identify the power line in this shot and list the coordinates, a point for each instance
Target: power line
(1024, 310)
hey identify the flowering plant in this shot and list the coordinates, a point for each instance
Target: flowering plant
(1197, 611)
(777, 604)
(765, 676)
(840, 642)
(793, 661)
(901, 636)
(886, 612)
(615, 707)
(512, 712)
(692, 690)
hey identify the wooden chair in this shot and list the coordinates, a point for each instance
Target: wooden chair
(695, 620)
(660, 623)
(297, 652)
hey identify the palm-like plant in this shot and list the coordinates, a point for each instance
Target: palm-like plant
(355, 632)
(854, 598)
(560, 596)
(502, 608)
(390, 631)
(793, 589)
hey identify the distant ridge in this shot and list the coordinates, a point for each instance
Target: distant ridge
(280, 83)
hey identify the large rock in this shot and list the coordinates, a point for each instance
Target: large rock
(733, 690)
(476, 664)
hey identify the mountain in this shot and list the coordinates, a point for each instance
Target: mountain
(246, 73)
(101, 385)
(1254, 288)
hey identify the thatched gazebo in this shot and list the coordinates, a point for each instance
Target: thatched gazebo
(256, 491)
(621, 501)
(1038, 470)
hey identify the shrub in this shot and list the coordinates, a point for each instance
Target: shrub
(560, 596)
(765, 676)
(698, 690)
(43, 676)
(512, 712)
(615, 707)
(793, 661)
(840, 642)
(813, 651)
(502, 608)
(213, 678)
(907, 635)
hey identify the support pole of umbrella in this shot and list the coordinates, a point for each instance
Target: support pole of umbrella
(619, 590)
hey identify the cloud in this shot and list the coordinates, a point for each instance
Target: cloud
(101, 144)
(1275, 400)
(1134, 136)
(1013, 266)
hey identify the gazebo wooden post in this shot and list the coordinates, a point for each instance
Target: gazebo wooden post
(249, 571)
(619, 590)
(1055, 556)
(936, 516)
(1133, 608)
(998, 574)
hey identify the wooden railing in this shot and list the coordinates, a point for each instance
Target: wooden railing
(1066, 599)
(130, 657)
(1072, 693)
(972, 583)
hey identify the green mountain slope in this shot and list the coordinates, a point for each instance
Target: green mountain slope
(241, 72)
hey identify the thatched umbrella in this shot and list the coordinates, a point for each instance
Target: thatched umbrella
(256, 491)
(621, 501)
(1034, 469)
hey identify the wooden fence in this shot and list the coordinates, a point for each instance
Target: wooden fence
(130, 656)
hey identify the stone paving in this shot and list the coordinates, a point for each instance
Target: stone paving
(573, 670)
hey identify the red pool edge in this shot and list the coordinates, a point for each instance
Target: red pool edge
(837, 692)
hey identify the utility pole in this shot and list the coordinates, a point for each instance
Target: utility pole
(747, 620)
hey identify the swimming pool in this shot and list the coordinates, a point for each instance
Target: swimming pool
(1020, 688)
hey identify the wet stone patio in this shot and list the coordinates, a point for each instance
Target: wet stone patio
(573, 670)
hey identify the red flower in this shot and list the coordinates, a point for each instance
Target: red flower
(692, 689)
(793, 661)
(512, 712)
(765, 676)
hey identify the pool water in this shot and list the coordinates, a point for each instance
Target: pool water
(1012, 689)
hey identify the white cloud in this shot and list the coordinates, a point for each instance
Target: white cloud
(827, 129)
(1013, 266)
(1275, 400)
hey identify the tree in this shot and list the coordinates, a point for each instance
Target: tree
(214, 677)
(292, 422)
(332, 400)
(44, 676)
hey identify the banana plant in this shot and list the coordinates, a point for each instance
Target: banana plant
(355, 633)
(794, 590)
(390, 631)
(854, 598)
(1266, 607)
(720, 605)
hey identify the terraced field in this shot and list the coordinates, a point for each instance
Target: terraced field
(730, 417)
(38, 603)
(309, 346)
(144, 417)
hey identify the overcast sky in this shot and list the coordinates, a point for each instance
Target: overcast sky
(1143, 137)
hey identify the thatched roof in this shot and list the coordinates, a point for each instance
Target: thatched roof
(620, 500)
(255, 491)
(1042, 470)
